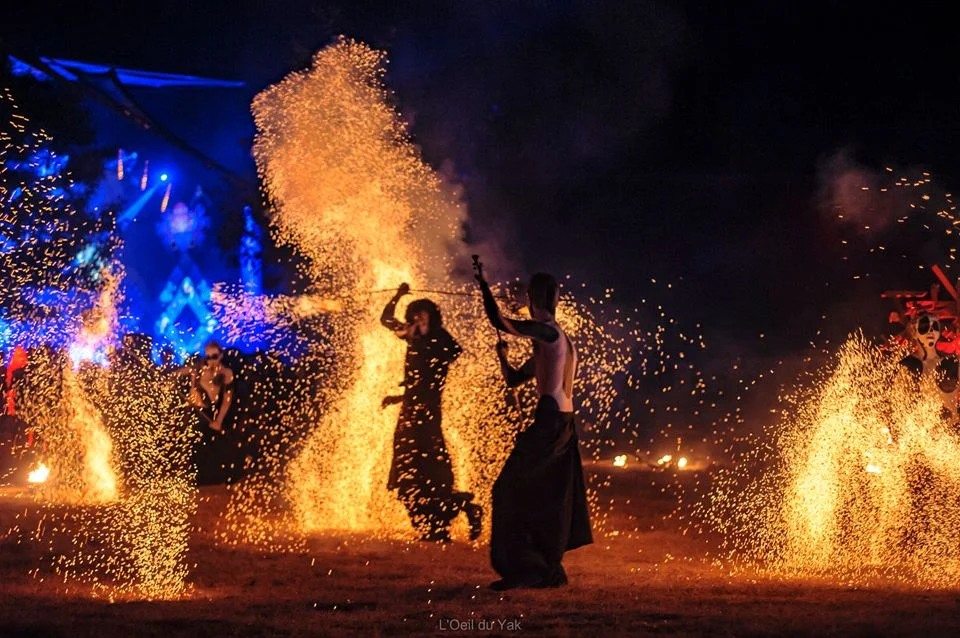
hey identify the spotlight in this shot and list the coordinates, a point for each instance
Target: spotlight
(164, 177)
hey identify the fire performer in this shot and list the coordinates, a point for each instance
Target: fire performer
(539, 499)
(420, 470)
(211, 393)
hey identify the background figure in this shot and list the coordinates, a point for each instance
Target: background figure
(539, 499)
(211, 394)
(14, 441)
(421, 471)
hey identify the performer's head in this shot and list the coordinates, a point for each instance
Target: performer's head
(424, 316)
(212, 354)
(543, 295)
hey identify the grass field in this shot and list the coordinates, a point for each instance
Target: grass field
(649, 582)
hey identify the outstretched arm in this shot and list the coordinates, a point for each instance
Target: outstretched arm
(536, 330)
(388, 318)
(514, 376)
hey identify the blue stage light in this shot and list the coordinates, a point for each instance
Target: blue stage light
(164, 177)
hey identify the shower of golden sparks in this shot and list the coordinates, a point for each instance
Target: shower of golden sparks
(112, 479)
(860, 481)
(132, 545)
(76, 444)
(352, 196)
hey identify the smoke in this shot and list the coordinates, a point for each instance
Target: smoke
(851, 193)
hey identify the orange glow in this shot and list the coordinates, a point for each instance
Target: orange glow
(39, 475)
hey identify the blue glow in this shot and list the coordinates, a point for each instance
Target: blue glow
(164, 177)
(136, 207)
(73, 69)
(88, 353)
(251, 249)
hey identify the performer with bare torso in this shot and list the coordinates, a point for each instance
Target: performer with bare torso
(539, 499)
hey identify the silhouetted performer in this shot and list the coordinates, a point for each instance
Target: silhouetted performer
(421, 471)
(211, 393)
(539, 499)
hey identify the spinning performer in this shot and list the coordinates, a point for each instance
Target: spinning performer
(539, 499)
(421, 471)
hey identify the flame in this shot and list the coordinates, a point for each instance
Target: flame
(620, 460)
(682, 462)
(353, 198)
(335, 158)
(822, 510)
(129, 541)
(663, 460)
(99, 329)
(98, 476)
(307, 305)
(39, 474)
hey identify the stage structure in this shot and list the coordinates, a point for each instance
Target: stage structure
(178, 192)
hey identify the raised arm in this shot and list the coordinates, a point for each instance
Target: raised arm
(536, 330)
(388, 318)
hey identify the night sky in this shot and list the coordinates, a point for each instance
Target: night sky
(619, 142)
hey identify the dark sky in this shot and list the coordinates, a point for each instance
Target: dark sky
(617, 141)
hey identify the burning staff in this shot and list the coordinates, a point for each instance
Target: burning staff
(421, 470)
(539, 499)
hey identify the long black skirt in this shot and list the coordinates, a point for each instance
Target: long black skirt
(421, 470)
(540, 499)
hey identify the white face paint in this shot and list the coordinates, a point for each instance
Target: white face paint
(926, 331)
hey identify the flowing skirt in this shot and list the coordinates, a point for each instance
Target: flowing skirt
(540, 499)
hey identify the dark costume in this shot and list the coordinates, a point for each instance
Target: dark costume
(539, 499)
(421, 470)
(213, 458)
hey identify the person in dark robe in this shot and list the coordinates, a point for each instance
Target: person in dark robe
(539, 498)
(420, 470)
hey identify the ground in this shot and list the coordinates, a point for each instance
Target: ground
(652, 581)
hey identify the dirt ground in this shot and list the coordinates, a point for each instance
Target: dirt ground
(654, 581)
